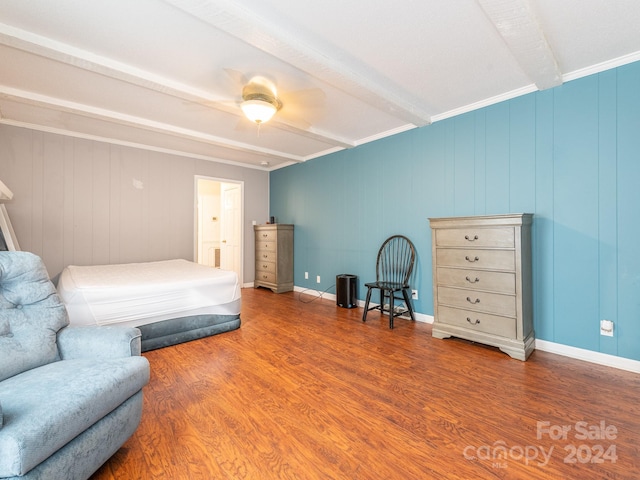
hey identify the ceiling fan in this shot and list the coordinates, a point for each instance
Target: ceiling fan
(260, 100)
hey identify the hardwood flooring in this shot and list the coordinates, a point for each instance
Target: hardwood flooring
(306, 390)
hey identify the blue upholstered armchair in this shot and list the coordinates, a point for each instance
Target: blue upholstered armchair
(69, 396)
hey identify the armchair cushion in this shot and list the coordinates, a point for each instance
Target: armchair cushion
(98, 342)
(47, 407)
(31, 314)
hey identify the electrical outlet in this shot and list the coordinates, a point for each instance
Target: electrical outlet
(606, 328)
(414, 294)
(306, 275)
(318, 279)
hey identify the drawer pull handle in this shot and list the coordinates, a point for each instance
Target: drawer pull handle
(265, 266)
(265, 276)
(467, 237)
(476, 280)
(473, 323)
(265, 235)
(264, 255)
(477, 300)
(472, 260)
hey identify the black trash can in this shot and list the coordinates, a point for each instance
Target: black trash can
(347, 290)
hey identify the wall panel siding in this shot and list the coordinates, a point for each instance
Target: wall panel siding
(607, 204)
(37, 182)
(570, 156)
(628, 205)
(21, 167)
(497, 155)
(575, 212)
(158, 207)
(522, 161)
(132, 180)
(480, 156)
(100, 204)
(82, 194)
(543, 225)
(115, 204)
(67, 191)
(84, 202)
(54, 207)
(464, 163)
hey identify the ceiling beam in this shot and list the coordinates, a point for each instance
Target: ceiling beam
(521, 31)
(60, 52)
(119, 118)
(318, 60)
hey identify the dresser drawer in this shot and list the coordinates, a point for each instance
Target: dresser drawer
(502, 282)
(476, 321)
(264, 246)
(265, 267)
(478, 301)
(476, 237)
(266, 235)
(267, 277)
(476, 258)
(266, 256)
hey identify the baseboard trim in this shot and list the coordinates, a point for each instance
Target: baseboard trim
(589, 356)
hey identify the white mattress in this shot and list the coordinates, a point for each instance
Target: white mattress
(139, 293)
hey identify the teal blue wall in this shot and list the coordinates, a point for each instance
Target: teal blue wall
(570, 155)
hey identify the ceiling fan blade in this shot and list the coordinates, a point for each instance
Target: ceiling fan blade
(307, 98)
(291, 116)
(238, 78)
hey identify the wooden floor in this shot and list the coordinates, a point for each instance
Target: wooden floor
(305, 390)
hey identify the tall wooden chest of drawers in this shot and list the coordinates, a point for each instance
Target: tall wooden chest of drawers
(274, 257)
(482, 285)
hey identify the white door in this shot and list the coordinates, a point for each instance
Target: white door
(218, 232)
(230, 239)
(208, 223)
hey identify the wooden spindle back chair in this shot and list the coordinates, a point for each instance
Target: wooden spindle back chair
(394, 266)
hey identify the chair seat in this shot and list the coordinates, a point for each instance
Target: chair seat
(387, 285)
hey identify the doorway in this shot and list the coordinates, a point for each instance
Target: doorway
(219, 212)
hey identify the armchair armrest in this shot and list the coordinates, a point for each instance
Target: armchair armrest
(98, 342)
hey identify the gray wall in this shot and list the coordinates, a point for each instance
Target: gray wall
(84, 202)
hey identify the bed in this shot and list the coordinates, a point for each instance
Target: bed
(171, 301)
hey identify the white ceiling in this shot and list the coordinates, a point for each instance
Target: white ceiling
(167, 74)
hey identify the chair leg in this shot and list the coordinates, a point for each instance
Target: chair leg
(392, 301)
(407, 300)
(366, 305)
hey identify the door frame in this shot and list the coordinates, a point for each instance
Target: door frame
(196, 219)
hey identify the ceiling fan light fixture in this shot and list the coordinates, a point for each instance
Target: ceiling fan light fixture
(258, 111)
(258, 107)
